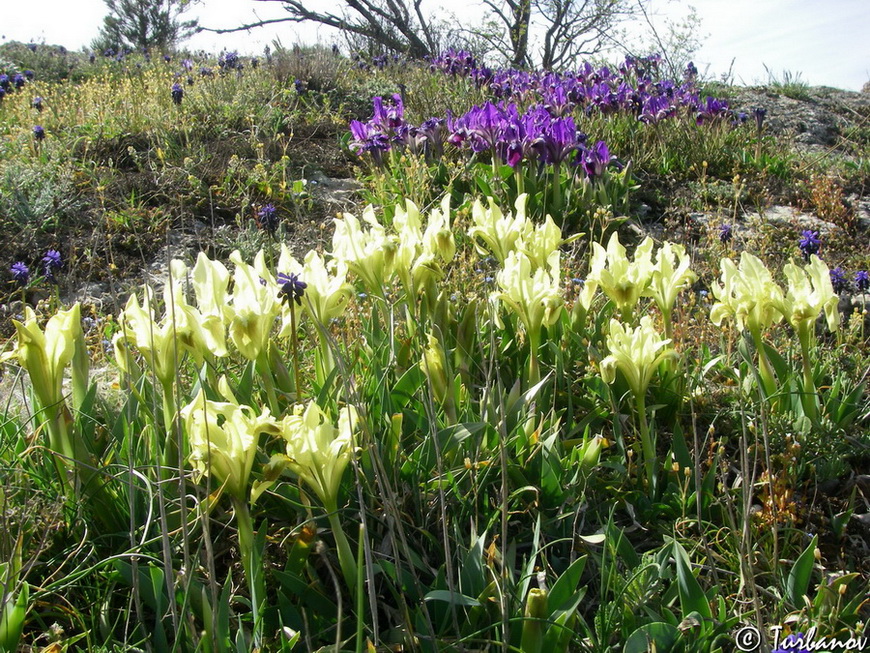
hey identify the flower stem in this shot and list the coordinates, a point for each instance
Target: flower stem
(250, 563)
(808, 396)
(294, 344)
(768, 380)
(646, 442)
(534, 367)
(171, 455)
(263, 367)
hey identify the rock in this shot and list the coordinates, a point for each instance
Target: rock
(787, 216)
(340, 192)
(815, 121)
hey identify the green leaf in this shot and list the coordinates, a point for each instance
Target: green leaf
(453, 598)
(798, 581)
(692, 598)
(564, 588)
(12, 619)
(657, 636)
(680, 449)
(472, 575)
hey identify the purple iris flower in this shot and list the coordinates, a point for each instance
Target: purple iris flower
(485, 124)
(862, 280)
(557, 102)
(711, 110)
(656, 108)
(596, 160)
(299, 86)
(19, 80)
(430, 136)
(177, 93)
(229, 61)
(511, 152)
(558, 142)
(809, 243)
(726, 233)
(759, 113)
(39, 133)
(838, 280)
(187, 64)
(5, 84)
(37, 103)
(691, 72)
(369, 138)
(20, 272)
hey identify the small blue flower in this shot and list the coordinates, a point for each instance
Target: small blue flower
(52, 262)
(292, 288)
(862, 280)
(809, 243)
(20, 272)
(267, 218)
(37, 103)
(39, 133)
(726, 233)
(838, 280)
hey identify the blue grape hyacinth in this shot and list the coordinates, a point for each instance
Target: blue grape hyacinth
(52, 262)
(809, 243)
(292, 288)
(267, 218)
(20, 272)
(838, 280)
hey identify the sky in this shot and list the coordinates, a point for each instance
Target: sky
(824, 42)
